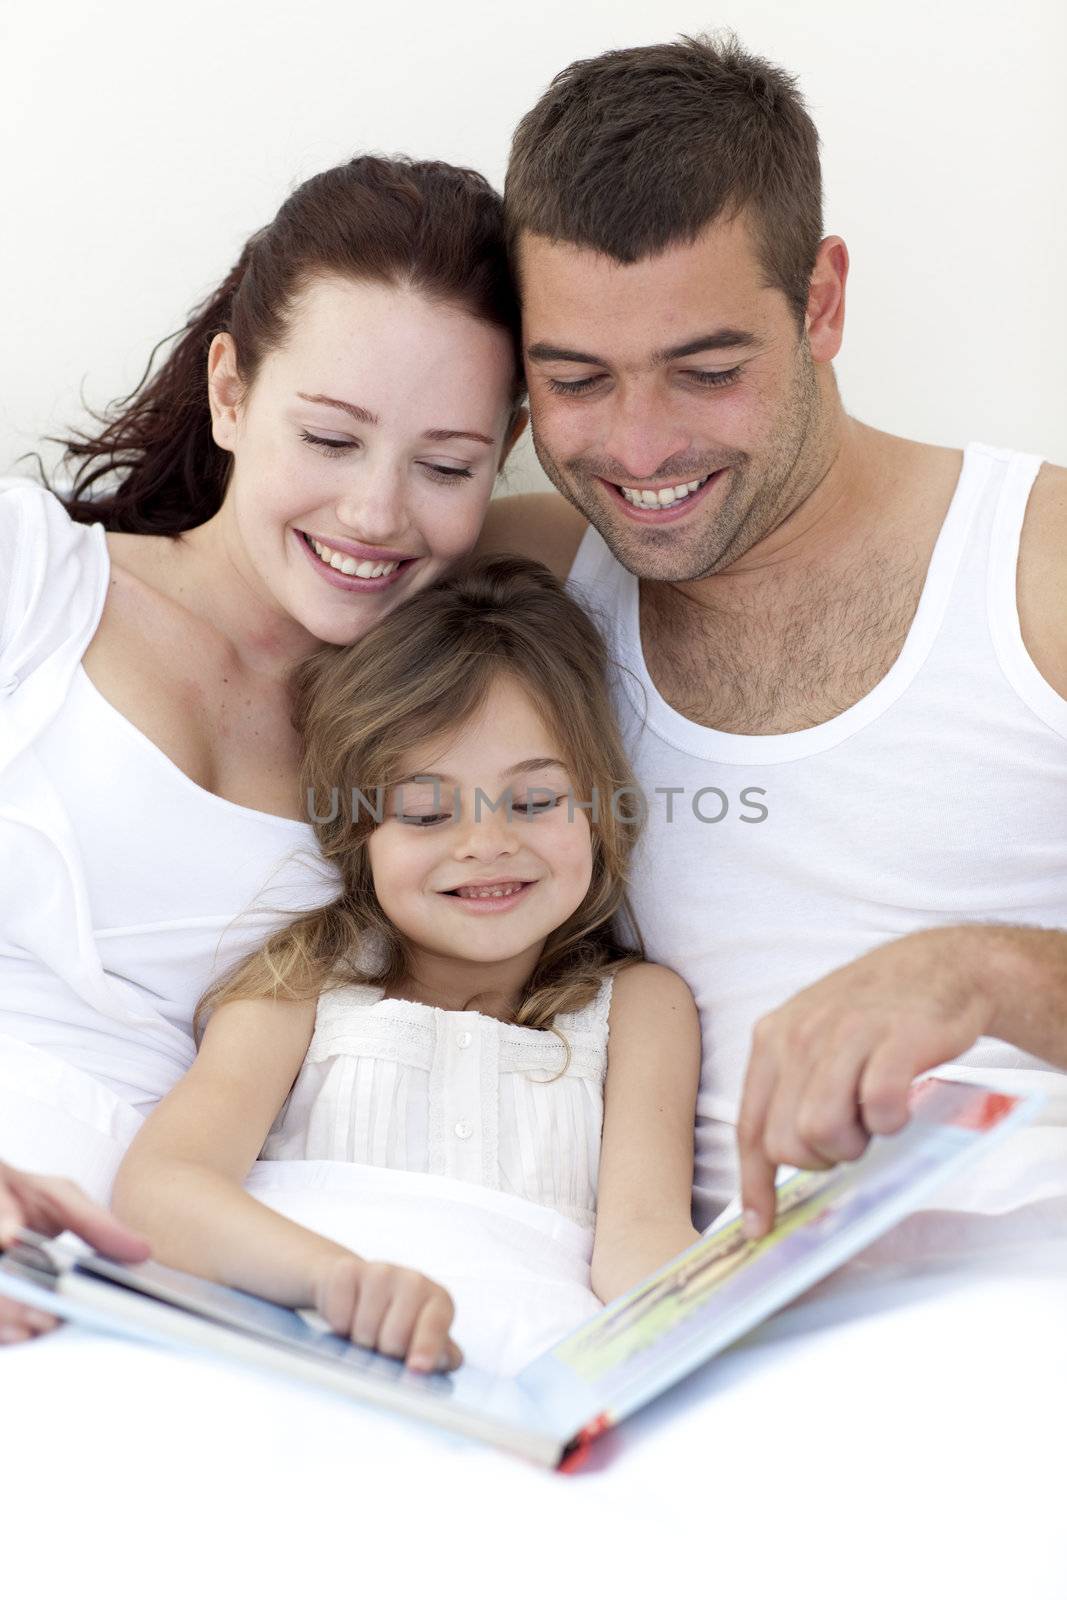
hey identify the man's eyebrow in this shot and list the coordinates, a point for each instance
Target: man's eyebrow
(360, 413)
(720, 339)
(534, 764)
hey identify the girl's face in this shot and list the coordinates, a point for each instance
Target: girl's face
(460, 879)
(365, 451)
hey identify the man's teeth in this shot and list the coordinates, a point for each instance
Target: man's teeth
(349, 565)
(649, 499)
(497, 892)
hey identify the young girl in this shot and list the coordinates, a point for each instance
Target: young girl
(462, 1006)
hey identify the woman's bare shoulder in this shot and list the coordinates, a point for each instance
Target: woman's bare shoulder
(543, 526)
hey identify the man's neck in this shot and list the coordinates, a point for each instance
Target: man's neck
(814, 615)
(838, 505)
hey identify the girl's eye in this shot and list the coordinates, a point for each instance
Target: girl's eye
(714, 380)
(447, 474)
(578, 386)
(534, 808)
(329, 447)
(426, 819)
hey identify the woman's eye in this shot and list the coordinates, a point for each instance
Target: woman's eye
(715, 380)
(426, 819)
(577, 386)
(447, 474)
(329, 447)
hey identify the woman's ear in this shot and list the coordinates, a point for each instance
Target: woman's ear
(518, 427)
(224, 389)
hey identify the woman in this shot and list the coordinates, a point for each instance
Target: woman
(321, 441)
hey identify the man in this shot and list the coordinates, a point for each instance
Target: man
(850, 738)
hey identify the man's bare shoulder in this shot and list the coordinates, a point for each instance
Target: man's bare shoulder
(1042, 576)
(543, 526)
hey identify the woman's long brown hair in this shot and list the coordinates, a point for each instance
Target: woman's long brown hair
(420, 675)
(154, 466)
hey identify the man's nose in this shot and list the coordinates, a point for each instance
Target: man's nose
(642, 435)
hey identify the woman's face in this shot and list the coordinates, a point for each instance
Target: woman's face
(365, 451)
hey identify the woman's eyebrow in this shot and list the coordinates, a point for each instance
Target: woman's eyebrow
(361, 414)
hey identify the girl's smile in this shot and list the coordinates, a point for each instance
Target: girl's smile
(483, 834)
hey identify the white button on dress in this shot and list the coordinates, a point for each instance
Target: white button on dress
(392, 1083)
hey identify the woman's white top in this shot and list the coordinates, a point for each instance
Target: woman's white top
(126, 887)
(392, 1083)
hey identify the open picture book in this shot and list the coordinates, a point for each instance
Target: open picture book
(622, 1358)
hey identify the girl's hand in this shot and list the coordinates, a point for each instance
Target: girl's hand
(49, 1206)
(394, 1310)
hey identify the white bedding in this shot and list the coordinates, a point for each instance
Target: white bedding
(901, 1430)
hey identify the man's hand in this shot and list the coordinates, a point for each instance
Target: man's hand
(834, 1065)
(49, 1206)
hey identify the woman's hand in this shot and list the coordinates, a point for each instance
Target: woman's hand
(394, 1310)
(49, 1206)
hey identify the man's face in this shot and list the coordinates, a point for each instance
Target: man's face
(681, 377)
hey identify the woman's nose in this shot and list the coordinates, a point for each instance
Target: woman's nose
(375, 507)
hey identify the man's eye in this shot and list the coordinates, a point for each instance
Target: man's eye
(577, 386)
(716, 380)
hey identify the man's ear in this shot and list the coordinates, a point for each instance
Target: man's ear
(518, 427)
(825, 317)
(224, 389)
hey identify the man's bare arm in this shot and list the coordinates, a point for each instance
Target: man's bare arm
(544, 527)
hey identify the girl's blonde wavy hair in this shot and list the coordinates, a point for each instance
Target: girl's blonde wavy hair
(420, 675)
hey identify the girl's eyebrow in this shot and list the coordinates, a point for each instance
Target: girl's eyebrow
(534, 764)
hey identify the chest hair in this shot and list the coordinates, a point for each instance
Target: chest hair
(775, 658)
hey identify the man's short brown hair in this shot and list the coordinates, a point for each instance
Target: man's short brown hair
(636, 150)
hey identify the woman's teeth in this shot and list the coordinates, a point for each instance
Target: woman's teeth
(348, 564)
(650, 499)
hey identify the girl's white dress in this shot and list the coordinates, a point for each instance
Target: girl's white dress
(397, 1084)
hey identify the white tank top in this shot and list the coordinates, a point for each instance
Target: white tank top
(936, 799)
(392, 1083)
(177, 884)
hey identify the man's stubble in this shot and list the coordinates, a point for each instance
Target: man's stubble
(760, 491)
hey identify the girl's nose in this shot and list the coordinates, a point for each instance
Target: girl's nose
(486, 832)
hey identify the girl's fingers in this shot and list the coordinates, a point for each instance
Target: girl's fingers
(430, 1347)
(400, 1319)
(375, 1295)
(337, 1293)
(453, 1356)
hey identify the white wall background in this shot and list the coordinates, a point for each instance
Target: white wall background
(140, 144)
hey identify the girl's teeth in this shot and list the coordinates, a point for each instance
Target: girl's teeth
(349, 565)
(488, 894)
